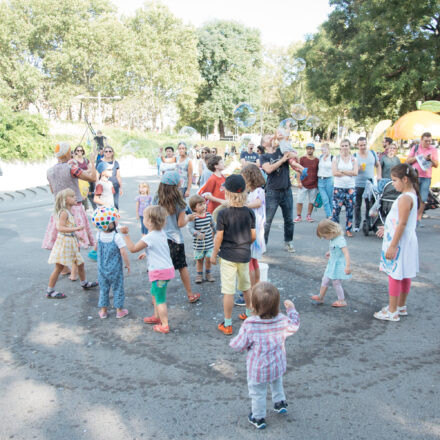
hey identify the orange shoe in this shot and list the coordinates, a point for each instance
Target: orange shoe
(226, 330)
(243, 316)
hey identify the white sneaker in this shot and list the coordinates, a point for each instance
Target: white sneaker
(386, 315)
(356, 229)
(289, 247)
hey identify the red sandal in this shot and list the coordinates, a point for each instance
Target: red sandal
(194, 297)
(152, 320)
(161, 328)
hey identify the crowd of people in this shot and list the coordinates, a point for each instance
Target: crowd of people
(229, 219)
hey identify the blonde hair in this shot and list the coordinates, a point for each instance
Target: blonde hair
(60, 200)
(236, 200)
(144, 185)
(328, 229)
(157, 215)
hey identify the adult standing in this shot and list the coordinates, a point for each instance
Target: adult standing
(248, 156)
(423, 157)
(115, 179)
(278, 190)
(325, 179)
(169, 162)
(185, 170)
(307, 188)
(204, 172)
(84, 164)
(100, 140)
(367, 160)
(345, 170)
(386, 143)
(63, 175)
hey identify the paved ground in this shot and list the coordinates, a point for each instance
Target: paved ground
(66, 374)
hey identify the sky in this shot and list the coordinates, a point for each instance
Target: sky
(281, 22)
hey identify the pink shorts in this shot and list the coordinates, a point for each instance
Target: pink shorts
(253, 265)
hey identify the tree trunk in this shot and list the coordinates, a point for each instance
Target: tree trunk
(221, 127)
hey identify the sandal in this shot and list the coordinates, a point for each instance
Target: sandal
(122, 313)
(55, 295)
(349, 234)
(194, 297)
(402, 311)
(152, 320)
(90, 285)
(317, 298)
(386, 315)
(339, 304)
(159, 328)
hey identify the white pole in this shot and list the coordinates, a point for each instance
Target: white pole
(99, 111)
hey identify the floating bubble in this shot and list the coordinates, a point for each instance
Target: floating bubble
(188, 132)
(244, 115)
(298, 65)
(299, 112)
(288, 125)
(289, 77)
(313, 122)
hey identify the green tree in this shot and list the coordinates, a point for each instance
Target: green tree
(230, 58)
(376, 58)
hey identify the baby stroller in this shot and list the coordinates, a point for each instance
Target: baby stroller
(433, 201)
(380, 205)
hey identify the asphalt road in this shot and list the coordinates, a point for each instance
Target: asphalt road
(66, 374)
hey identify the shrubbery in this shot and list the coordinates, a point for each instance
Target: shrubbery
(23, 136)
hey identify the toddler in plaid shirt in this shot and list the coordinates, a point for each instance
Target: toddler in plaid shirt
(263, 336)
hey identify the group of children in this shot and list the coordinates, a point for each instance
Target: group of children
(230, 226)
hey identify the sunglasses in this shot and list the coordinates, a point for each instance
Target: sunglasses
(108, 151)
(79, 151)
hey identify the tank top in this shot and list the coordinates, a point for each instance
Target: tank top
(344, 181)
(182, 169)
(60, 178)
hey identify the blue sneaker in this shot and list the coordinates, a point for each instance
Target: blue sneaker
(258, 423)
(239, 300)
(280, 407)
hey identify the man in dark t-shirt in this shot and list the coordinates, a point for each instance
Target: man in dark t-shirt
(278, 189)
(248, 156)
(308, 188)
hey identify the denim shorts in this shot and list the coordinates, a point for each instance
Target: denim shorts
(424, 184)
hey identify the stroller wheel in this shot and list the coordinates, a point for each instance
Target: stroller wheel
(365, 227)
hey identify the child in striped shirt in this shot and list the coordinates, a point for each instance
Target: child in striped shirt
(263, 336)
(202, 229)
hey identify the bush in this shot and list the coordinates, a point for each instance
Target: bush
(23, 136)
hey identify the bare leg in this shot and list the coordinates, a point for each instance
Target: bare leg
(184, 276)
(299, 208)
(66, 270)
(81, 271)
(322, 291)
(310, 209)
(254, 276)
(162, 311)
(199, 266)
(393, 303)
(228, 304)
(55, 274)
(74, 272)
(402, 299)
(207, 264)
(247, 298)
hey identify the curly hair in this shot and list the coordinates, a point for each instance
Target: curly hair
(253, 177)
(212, 162)
(169, 197)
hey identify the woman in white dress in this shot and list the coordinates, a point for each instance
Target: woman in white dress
(400, 254)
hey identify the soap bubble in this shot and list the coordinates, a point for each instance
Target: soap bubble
(299, 112)
(188, 132)
(288, 125)
(244, 115)
(313, 122)
(298, 65)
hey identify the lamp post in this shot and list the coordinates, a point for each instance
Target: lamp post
(99, 98)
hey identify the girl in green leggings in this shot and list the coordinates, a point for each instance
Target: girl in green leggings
(160, 266)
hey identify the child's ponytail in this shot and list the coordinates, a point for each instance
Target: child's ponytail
(405, 170)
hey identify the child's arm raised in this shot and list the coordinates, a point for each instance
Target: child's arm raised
(62, 224)
(292, 318)
(133, 248)
(124, 256)
(184, 219)
(347, 260)
(217, 243)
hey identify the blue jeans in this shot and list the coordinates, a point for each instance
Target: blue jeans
(284, 199)
(424, 184)
(325, 187)
(258, 392)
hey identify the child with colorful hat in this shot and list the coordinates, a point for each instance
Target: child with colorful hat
(112, 251)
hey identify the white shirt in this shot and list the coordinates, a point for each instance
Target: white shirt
(344, 181)
(107, 237)
(325, 166)
(158, 252)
